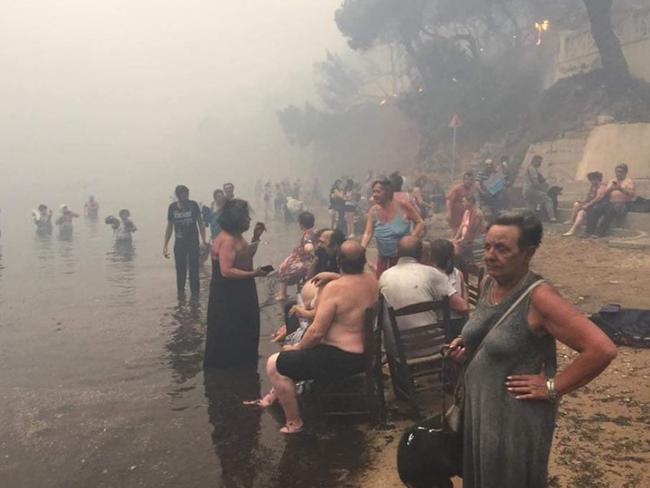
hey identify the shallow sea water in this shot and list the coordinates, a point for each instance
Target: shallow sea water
(101, 377)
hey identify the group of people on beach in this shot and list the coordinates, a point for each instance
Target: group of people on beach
(511, 375)
(512, 380)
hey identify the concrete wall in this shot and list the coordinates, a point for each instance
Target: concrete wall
(561, 158)
(568, 160)
(577, 51)
(611, 144)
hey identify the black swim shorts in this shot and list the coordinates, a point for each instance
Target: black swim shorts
(322, 363)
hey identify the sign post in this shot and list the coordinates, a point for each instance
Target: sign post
(454, 124)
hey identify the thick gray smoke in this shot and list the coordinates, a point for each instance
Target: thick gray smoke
(98, 93)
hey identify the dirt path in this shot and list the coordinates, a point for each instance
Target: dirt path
(603, 431)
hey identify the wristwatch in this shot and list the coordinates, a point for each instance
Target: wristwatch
(551, 393)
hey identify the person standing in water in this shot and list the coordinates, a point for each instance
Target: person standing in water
(233, 333)
(123, 228)
(43, 219)
(91, 208)
(184, 220)
(65, 220)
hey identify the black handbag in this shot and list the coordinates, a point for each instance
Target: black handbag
(429, 454)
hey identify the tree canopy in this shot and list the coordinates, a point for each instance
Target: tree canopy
(479, 58)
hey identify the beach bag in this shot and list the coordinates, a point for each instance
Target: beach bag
(431, 452)
(640, 204)
(624, 326)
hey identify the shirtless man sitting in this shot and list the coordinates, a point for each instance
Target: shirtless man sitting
(332, 347)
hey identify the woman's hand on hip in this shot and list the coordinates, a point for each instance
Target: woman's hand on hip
(528, 386)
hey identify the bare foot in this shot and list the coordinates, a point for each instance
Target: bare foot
(267, 401)
(292, 427)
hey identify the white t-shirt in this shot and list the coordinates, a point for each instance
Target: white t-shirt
(410, 282)
(407, 283)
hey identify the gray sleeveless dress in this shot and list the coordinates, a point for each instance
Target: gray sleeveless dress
(506, 441)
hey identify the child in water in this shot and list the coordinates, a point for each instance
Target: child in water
(123, 228)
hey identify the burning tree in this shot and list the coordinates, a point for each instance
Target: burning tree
(483, 59)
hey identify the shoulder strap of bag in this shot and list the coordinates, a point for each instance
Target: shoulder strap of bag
(444, 353)
(508, 312)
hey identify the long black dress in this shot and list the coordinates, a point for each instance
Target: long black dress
(233, 322)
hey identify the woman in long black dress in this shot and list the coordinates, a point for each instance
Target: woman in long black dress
(233, 310)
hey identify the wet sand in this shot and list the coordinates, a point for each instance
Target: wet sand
(102, 382)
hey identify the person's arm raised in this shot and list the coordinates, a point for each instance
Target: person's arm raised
(554, 315)
(259, 229)
(227, 255)
(325, 314)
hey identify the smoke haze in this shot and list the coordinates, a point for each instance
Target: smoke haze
(152, 90)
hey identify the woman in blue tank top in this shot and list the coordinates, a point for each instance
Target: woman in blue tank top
(389, 221)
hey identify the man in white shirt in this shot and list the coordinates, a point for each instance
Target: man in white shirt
(410, 282)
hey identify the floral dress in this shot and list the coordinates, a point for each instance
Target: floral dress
(297, 264)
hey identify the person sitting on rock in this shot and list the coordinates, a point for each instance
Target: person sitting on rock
(580, 208)
(614, 204)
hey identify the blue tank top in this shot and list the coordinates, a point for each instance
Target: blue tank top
(388, 234)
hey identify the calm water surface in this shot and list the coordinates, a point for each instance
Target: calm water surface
(101, 377)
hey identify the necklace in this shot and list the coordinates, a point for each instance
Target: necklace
(491, 297)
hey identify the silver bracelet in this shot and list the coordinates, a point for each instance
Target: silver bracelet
(551, 393)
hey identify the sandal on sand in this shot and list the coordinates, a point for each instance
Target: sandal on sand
(288, 429)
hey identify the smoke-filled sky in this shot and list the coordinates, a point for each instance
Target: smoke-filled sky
(93, 86)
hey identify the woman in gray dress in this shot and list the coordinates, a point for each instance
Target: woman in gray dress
(512, 388)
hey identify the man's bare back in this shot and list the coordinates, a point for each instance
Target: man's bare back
(343, 303)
